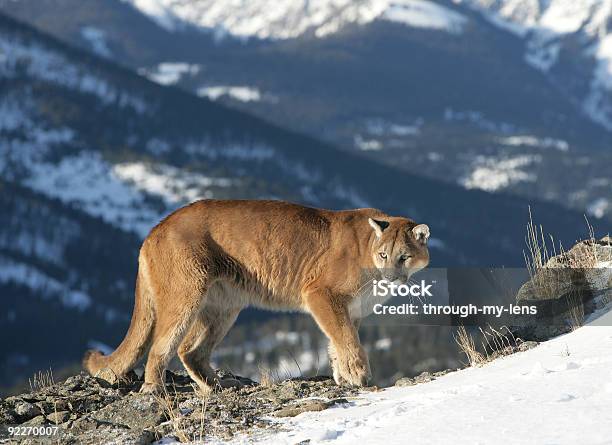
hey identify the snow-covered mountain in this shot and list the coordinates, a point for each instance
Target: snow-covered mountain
(549, 28)
(292, 18)
(561, 35)
(503, 96)
(559, 392)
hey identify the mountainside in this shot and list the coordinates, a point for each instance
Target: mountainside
(92, 156)
(569, 41)
(504, 96)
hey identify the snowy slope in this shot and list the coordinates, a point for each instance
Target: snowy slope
(559, 392)
(291, 18)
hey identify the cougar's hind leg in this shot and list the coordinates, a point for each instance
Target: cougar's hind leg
(183, 301)
(210, 327)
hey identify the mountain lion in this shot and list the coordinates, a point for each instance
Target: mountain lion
(205, 262)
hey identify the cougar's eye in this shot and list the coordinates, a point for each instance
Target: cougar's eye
(383, 255)
(404, 257)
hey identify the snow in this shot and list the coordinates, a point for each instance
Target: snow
(599, 207)
(169, 73)
(43, 285)
(118, 193)
(558, 392)
(367, 144)
(383, 344)
(425, 14)
(86, 181)
(97, 40)
(286, 19)
(533, 141)
(478, 119)
(380, 127)
(170, 183)
(598, 103)
(157, 11)
(492, 173)
(240, 93)
(18, 57)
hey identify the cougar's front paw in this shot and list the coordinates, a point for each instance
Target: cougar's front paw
(354, 368)
(335, 366)
(151, 388)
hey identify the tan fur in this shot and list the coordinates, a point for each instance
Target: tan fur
(205, 262)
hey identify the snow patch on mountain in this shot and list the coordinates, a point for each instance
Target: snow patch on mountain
(121, 193)
(23, 274)
(367, 144)
(533, 141)
(97, 40)
(239, 93)
(87, 181)
(479, 120)
(158, 11)
(18, 57)
(172, 184)
(291, 18)
(599, 207)
(169, 73)
(492, 173)
(425, 14)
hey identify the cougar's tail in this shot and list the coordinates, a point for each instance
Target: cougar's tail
(136, 341)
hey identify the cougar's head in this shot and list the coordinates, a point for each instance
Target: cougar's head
(399, 248)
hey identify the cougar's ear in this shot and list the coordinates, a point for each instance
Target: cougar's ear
(378, 226)
(421, 233)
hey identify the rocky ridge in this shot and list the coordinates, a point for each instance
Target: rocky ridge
(89, 410)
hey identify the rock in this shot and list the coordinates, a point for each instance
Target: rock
(585, 268)
(7, 415)
(311, 405)
(424, 377)
(58, 417)
(405, 381)
(27, 410)
(107, 376)
(527, 345)
(565, 290)
(111, 434)
(139, 412)
(92, 411)
(36, 421)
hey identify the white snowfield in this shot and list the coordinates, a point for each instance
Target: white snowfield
(557, 393)
(284, 19)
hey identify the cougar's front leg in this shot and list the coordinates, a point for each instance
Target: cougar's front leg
(349, 360)
(333, 360)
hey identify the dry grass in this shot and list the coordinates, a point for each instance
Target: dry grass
(498, 342)
(561, 275)
(495, 343)
(41, 380)
(467, 346)
(265, 376)
(540, 249)
(170, 408)
(575, 311)
(169, 404)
